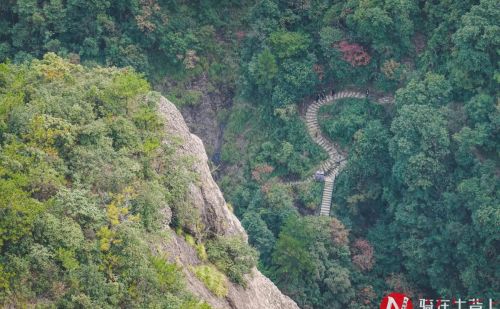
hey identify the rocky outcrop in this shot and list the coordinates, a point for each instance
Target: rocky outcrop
(204, 195)
(202, 116)
(206, 198)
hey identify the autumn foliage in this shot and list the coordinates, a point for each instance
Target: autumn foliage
(353, 53)
(261, 169)
(362, 254)
(149, 10)
(367, 295)
(338, 232)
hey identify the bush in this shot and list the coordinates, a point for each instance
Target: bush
(81, 165)
(184, 97)
(195, 304)
(169, 275)
(346, 117)
(199, 247)
(201, 251)
(214, 280)
(233, 256)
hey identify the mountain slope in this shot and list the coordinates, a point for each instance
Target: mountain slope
(106, 199)
(206, 197)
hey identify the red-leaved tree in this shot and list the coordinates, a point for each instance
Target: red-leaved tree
(340, 235)
(259, 170)
(353, 53)
(362, 254)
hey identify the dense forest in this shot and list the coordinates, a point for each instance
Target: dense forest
(415, 210)
(87, 184)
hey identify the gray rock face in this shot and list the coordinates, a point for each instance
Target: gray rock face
(206, 197)
(201, 118)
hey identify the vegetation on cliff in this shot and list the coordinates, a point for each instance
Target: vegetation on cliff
(415, 210)
(86, 187)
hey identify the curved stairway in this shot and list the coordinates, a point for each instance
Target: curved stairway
(336, 161)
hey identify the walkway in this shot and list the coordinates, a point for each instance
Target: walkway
(336, 161)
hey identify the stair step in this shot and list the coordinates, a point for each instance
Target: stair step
(335, 162)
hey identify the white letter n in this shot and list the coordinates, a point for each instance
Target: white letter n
(391, 303)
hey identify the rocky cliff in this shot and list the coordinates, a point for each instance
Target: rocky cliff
(206, 198)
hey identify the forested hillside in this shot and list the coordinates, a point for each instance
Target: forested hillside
(416, 208)
(83, 178)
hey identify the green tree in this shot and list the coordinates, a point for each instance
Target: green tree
(419, 148)
(311, 261)
(233, 256)
(263, 70)
(288, 44)
(76, 182)
(434, 90)
(259, 235)
(295, 80)
(384, 23)
(476, 42)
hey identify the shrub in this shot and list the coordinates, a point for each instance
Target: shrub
(214, 280)
(81, 164)
(195, 304)
(353, 53)
(190, 240)
(169, 275)
(199, 247)
(185, 97)
(233, 256)
(4, 280)
(201, 251)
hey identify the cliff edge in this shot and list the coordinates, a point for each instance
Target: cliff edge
(206, 198)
